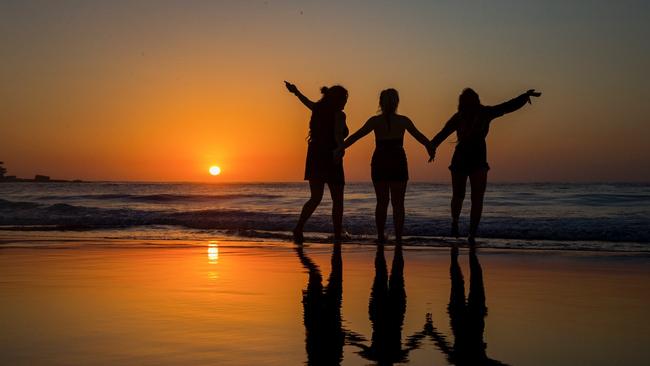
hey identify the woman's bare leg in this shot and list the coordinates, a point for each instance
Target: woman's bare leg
(336, 192)
(316, 187)
(397, 193)
(383, 198)
(458, 182)
(478, 181)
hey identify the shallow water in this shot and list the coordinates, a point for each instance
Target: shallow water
(107, 302)
(541, 215)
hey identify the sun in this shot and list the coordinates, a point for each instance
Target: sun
(215, 170)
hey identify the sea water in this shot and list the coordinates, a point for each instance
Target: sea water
(540, 215)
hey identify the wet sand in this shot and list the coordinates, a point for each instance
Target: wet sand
(108, 302)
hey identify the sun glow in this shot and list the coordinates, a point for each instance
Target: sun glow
(215, 170)
(213, 252)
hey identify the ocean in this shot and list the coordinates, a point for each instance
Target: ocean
(601, 217)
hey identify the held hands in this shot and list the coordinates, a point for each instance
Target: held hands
(291, 87)
(431, 150)
(532, 93)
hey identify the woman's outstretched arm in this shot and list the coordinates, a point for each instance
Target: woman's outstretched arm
(513, 104)
(447, 130)
(410, 127)
(294, 90)
(364, 130)
(342, 145)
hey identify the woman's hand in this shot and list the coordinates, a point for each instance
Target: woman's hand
(291, 87)
(431, 150)
(532, 93)
(338, 153)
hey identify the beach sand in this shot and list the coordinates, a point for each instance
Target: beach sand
(109, 302)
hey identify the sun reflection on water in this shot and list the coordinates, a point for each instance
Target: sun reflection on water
(213, 252)
(213, 258)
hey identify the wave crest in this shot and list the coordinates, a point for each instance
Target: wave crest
(73, 217)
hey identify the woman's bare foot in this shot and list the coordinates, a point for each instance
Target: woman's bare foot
(298, 237)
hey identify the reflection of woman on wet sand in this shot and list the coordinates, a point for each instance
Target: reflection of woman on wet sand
(466, 317)
(386, 312)
(324, 334)
(471, 124)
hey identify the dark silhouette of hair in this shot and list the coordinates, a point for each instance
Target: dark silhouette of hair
(388, 101)
(468, 101)
(334, 98)
(333, 101)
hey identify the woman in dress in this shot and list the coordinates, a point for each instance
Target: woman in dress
(471, 124)
(389, 167)
(327, 129)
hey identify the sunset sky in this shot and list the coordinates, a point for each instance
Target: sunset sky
(162, 90)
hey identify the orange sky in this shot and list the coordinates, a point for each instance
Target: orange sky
(160, 92)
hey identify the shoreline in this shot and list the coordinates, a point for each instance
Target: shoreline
(81, 242)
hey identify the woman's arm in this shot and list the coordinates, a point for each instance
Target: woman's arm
(294, 90)
(513, 104)
(447, 130)
(410, 127)
(364, 130)
(341, 130)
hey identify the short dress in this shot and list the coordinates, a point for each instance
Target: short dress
(389, 161)
(320, 164)
(469, 156)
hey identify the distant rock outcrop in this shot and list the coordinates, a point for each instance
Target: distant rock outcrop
(37, 177)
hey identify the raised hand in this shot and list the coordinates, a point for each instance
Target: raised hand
(291, 87)
(532, 93)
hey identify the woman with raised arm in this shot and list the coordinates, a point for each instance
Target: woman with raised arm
(471, 124)
(327, 129)
(389, 169)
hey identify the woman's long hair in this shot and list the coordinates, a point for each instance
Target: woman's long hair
(468, 101)
(388, 101)
(469, 105)
(333, 101)
(334, 98)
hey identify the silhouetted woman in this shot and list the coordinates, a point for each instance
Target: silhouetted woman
(471, 124)
(327, 129)
(389, 169)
